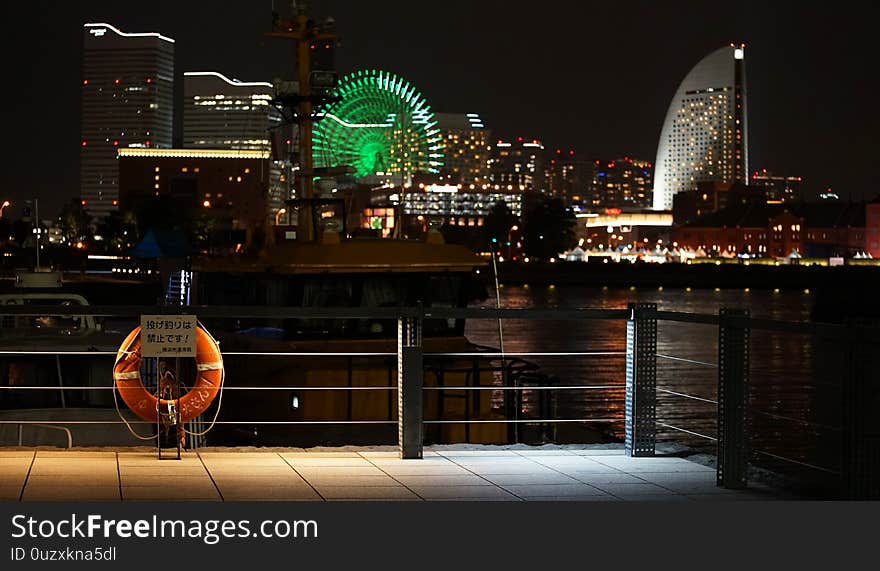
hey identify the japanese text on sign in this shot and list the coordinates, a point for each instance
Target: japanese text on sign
(168, 335)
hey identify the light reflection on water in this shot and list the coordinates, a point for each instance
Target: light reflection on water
(792, 375)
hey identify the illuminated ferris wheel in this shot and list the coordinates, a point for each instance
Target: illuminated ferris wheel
(379, 125)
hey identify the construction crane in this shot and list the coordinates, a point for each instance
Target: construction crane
(314, 89)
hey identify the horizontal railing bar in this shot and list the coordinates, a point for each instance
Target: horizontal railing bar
(685, 360)
(282, 312)
(533, 354)
(686, 396)
(798, 420)
(793, 461)
(524, 388)
(294, 422)
(704, 318)
(525, 421)
(225, 388)
(341, 354)
(346, 388)
(268, 422)
(663, 424)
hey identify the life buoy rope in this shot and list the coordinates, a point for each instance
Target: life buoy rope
(209, 382)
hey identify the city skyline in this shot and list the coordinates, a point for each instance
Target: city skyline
(805, 136)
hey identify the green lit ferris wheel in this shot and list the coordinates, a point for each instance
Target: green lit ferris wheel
(380, 124)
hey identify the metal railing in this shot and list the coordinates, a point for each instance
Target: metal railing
(733, 409)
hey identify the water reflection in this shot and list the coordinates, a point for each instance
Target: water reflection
(792, 375)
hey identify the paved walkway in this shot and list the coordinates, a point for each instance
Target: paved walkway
(445, 473)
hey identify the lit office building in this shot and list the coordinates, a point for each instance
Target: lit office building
(567, 176)
(778, 188)
(518, 166)
(467, 149)
(223, 113)
(621, 183)
(445, 203)
(705, 135)
(126, 102)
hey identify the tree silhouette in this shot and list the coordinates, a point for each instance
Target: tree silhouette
(549, 229)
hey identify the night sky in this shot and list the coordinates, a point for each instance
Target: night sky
(595, 77)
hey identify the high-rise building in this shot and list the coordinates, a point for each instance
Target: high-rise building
(126, 101)
(567, 176)
(223, 113)
(518, 166)
(705, 134)
(621, 183)
(778, 188)
(466, 148)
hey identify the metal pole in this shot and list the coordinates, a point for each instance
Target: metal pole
(733, 380)
(641, 380)
(37, 224)
(860, 461)
(410, 383)
(515, 395)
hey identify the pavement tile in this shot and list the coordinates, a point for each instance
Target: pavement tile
(269, 493)
(554, 490)
(70, 493)
(425, 470)
(9, 493)
(460, 492)
(593, 478)
(526, 479)
(322, 462)
(158, 493)
(4, 454)
(78, 479)
(370, 481)
(655, 498)
(443, 480)
(307, 471)
(366, 493)
(572, 498)
(626, 490)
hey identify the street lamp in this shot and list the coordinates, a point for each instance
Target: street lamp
(510, 232)
(2, 206)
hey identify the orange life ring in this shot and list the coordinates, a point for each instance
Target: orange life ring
(127, 375)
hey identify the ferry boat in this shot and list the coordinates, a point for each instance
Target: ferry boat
(353, 273)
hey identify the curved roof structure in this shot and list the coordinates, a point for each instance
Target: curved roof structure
(705, 135)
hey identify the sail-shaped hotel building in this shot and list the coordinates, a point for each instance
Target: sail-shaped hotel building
(705, 135)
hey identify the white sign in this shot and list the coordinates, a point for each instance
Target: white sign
(168, 335)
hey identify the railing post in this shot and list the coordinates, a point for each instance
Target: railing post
(641, 380)
(733, 389)
(860, 461)
(410, 380)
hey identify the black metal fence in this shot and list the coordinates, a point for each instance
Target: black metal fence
(751, 433)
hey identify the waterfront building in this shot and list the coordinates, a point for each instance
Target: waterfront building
(448, 204)
(230, 186)
(778, 188)
(517, 166)
(467, 148)
(804, 229)
(126, 102)
(705, 134)
(621, 183)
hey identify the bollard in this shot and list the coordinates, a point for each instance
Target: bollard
(733, 381)
(641, 380)
(860, 458)
(410, 382)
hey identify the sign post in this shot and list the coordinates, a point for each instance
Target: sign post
(164, 336)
